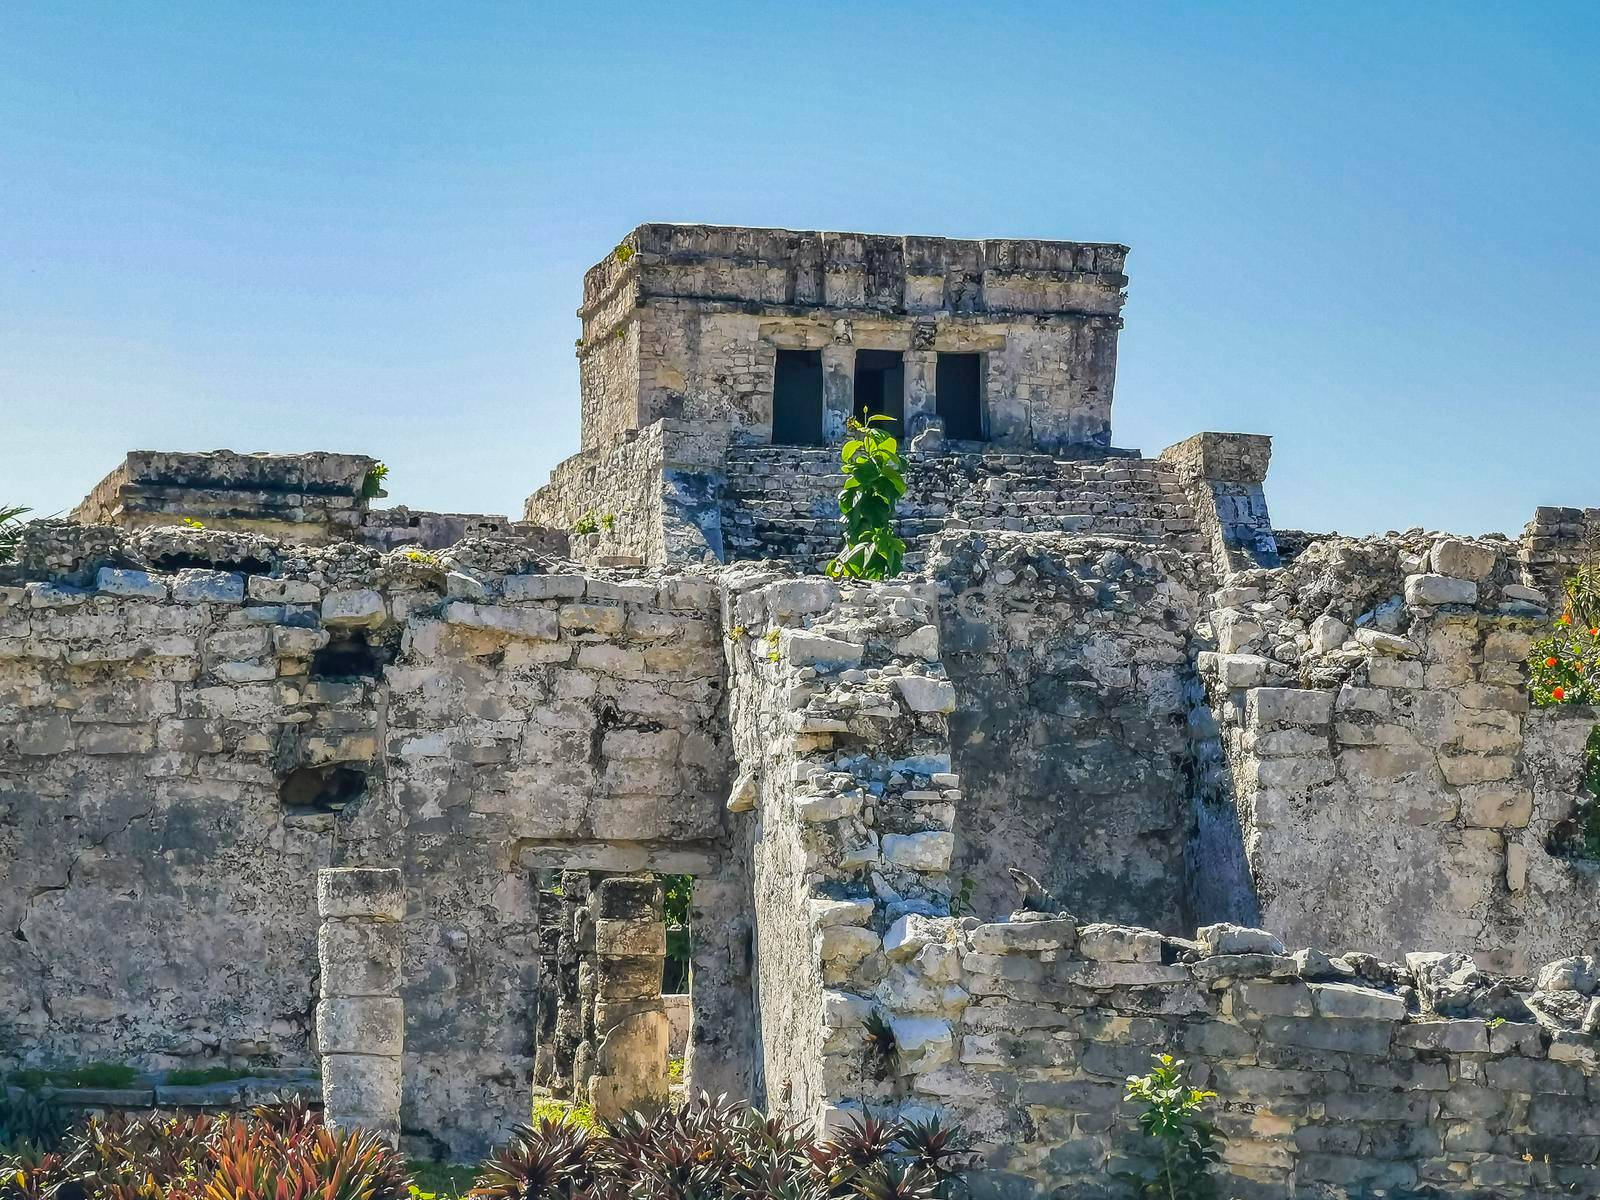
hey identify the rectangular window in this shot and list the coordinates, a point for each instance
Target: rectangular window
(958, 391)
(881, 386)
(797, 398)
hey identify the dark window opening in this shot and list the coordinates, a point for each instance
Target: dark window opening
(958, 388)
(677, 892)
(322, 789)
(881, 386)
(797, 398)
(349, 657)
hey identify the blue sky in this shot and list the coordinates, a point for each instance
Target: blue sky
(1368, 230)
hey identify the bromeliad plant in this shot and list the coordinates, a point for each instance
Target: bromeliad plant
(875, 479)
(1188, 1144)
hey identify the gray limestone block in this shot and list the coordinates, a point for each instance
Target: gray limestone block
(1223, 938)
(1464, 560)
(136, 584)
(374, 892)
(1440, 589)
(360, 1084)
(353, 607)
(360, 1025)
(534, 624)
(360, 958)
(208, 587)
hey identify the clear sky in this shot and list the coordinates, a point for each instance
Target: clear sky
(1372, 231)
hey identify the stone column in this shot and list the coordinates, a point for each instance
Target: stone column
(360, 1020)
(630, 1021)
(921, 402)
(838, 390)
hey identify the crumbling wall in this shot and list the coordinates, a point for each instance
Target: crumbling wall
(1338, 1078)
(838, 715)
(1071, 659)
(1392, 787)
(180, 750)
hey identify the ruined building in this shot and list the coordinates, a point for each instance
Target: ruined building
(1104, 669)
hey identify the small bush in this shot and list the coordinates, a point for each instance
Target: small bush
(11, 530)
(89, 1075)
(714, 1150)
(281, 1153)
(372, 482)
(29, 1122)
(874, 481)
(1188, 1145)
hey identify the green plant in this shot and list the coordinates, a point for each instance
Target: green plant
(29, 1122)
(200, 1076)
(608, 522)
(548, 1108)
(624, 253)
(675, 1068)
(771, 638)
(440, 1181)
(11, 530)
(372, 482)
(586, 524)
(961, 902)
(191, 523)
(878, 1034)
(874, 482)
(1564, 668)
(1188, 1144)
(89, 1075)
(424, 558)
(279, 1153)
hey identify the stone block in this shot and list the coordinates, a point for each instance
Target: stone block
(1440, 589)
(930, 851)
(534, 624)
(1463, 560)
(1268, 707)
(630, 937)
(1459, 1037)
(1118, 943)
(359, 958)
(1007, 937)
(1394, 673)
(208, 587)
(138, 585)
(360, 1088)
(1496, 806)
(360, 1025)
(354, 608)
(373, 892)
(805, 649)
(282, 591)
(922, 1043)
(1237, 939)
(542, 587)
(907, 936)
(591, 618)
(921, 694)
(1350, 1001)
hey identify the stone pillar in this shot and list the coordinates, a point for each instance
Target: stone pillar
(1222, 474)
(921, 402)
(838, 389)
(630, 1020)
(360, 1021)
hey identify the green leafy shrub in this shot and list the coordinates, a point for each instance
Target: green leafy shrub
(586, 524)
(29, 1122)
(372, 483)
(715, 1150)
(874, 482)
(11, 530)
(279, 1153)
(1188, 1145)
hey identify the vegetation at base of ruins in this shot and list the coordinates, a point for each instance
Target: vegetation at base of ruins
(269, 1154)
(372, 482)
(675, 1068)
(88, 1075)
(874, 472)
(440, 1181)
(425, 557)
(548, 1108)
(11, 529)
(29, 1122)
(1564, 668)
(200, 1076)
(717, 1150)
(608, 522)
(586, 524)
(191, 523)
(1174, 1114)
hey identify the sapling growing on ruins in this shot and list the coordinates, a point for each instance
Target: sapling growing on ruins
(372, 484)
(875, 480)
(11, 530)
(1189, 1145)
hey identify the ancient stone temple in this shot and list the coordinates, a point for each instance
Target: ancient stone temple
(1285, 804)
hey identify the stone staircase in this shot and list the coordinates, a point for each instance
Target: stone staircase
(781, 501)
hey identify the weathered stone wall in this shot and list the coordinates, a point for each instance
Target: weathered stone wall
(684, 321)
(1071, 659)
(1337, 1078)
(1223, 475)
(181, 750)
(1558, 540)
(1392, 787)
(838, 713)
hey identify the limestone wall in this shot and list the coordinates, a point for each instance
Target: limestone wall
(1071, 658)
(1337, 1078)
(181, 750)
(1392, 787)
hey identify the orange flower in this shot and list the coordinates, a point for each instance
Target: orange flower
(1559, 693)
(1594, 633)
(1550, 662)
(1564, 619)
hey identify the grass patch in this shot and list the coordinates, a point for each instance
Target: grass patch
(199, 1076)
(90, 1075)
(447, 1181)
(547, 1108)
